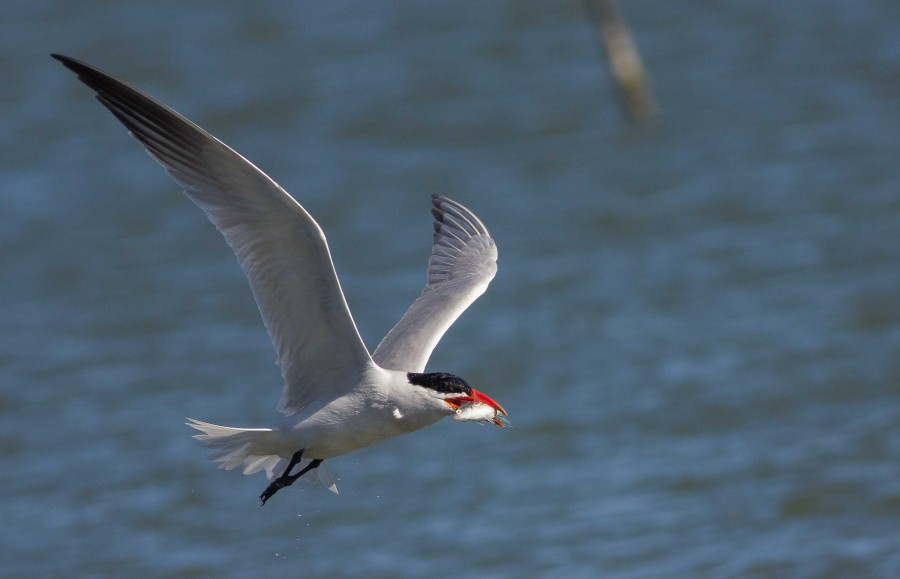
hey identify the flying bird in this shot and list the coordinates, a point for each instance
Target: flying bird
(337, 397)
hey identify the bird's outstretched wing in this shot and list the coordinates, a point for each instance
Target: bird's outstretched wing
(280, 247)
(463, 262)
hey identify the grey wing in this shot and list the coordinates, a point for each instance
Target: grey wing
(463, 262)
(278, 244)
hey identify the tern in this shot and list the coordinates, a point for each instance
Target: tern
(337, 397)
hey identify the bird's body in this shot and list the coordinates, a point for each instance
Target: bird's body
(384, 404)
(337, 398)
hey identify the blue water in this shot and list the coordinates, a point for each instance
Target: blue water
(695, 325)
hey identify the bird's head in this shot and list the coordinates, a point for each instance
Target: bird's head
(456, 392)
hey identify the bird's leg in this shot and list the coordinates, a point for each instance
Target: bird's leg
(282, 481)
(287, 479)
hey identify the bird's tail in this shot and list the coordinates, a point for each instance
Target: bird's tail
(255, 449)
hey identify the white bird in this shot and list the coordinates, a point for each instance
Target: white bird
(337, 398)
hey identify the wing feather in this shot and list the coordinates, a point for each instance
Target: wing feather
(463, 262)
(280, 247)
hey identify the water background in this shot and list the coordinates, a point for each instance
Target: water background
(695, 326)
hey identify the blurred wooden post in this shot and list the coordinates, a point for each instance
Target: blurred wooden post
(633, 82)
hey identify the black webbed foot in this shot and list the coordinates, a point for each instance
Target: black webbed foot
(275, 486)
(286, 479)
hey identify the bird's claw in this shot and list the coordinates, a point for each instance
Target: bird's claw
(275, 486)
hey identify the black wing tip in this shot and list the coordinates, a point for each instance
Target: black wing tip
(93, 77)
(448, 212)
(73, 64)
(439, 202)
(437, 211)
(447, 205)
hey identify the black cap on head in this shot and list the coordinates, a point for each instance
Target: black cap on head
(440, 382)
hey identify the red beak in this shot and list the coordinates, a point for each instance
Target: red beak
(477, 396)
(485, 399)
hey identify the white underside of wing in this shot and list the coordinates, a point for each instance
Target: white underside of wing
(280, 247)
(463, 262)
